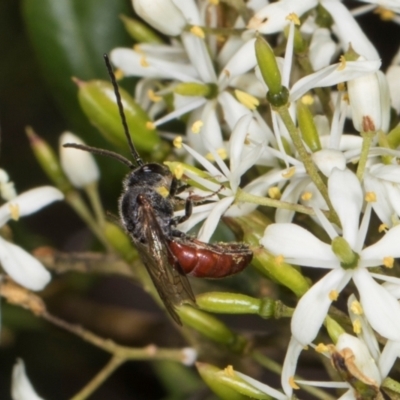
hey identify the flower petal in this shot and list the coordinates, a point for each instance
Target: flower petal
(21, 387)
(293, 241)
(380, 307)
(313, 307)
(289, 365)
(346, 196)
(388, 246)
(22, 267)
(30, 201)
(388, 357)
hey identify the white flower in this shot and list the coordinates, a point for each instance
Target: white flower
(163, 15)
(79, 166)
(370, 102)
(20, 265)
(242, 157)
(300, 247)
(21, 387)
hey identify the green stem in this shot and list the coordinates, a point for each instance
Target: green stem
(75, 201)
(276, 368)
(307, 161)
(244, 197)
(94, 198)
(366, 145)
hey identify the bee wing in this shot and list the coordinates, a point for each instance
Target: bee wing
(169, 279)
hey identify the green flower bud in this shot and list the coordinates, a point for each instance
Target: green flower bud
(235, 303)
(393, 137)
(120, 242)
(227, 385)
(139, 31)
(279, 99)
(48, 160)
(348, 258)
(334, 329)
(211, 327)
(209, 91)
(307, 127)
(253, 227)
(98, 102)
(324, 19)
(268, 67)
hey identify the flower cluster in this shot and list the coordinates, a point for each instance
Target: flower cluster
(292, 148)
(265, 91)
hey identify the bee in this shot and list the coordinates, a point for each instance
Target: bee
(146, 210)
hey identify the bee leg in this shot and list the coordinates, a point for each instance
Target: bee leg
(188, 212)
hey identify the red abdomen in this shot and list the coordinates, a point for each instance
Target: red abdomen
(204, 260)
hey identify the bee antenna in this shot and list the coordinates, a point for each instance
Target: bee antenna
(134, 152)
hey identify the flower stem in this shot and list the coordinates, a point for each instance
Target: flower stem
(306, 159)
(366, 145)
(94, 198)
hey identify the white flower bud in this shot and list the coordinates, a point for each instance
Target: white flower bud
(322, 49)
(79, 166)
(393, 77)
(162, 15)
(21, 388)
(365, 102)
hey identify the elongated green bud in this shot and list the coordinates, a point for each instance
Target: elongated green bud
(211, 327)
(227, 385)
(120, 242)
(97, 100)
(253, 227)
(140, 32)
(48, 160)
(334, 329)
(235, 303)
(277, 95)
(307, 126)
(196, 89)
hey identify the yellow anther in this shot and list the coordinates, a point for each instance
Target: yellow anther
(333, 295)
(14, 211)
(341, 87)
(247, 100)
(196, 126)
(357, 327)
(306, 196)
(279, 259)
(321, 348)
(294, 18)
(163, 191)
(288, 173)
(150, 125)
(384, 13)
(178, 171)
(153, 97)
(346, 98)
(370, 197)
(388, 262)
(307, 100)
(177, 142)
(293, 384)
(143, 62)
(383, 228)
(274, 192)
(197, 31)
(229, 371)
(356, 308)
(221, 152)
(214, 2)
(118, 73)
(342, 64)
